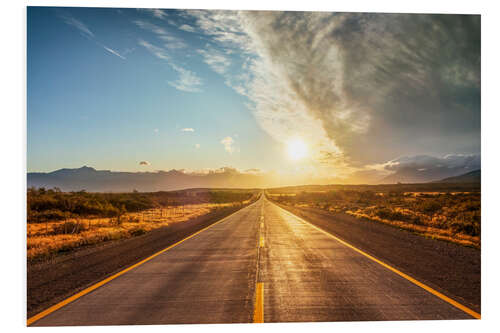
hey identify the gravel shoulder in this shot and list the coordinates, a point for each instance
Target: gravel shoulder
(52, 281)
(452, 269)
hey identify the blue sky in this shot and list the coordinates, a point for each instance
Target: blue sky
(363, 95)
(90, 106)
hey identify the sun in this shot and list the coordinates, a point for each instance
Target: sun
(297, 149)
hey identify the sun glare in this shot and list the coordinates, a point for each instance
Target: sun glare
(297, 149)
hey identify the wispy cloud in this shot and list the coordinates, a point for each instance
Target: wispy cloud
(111, 51)
(85, 31)
(163, 15)
(187, 129)
(228, 143)
(144, 163)
(224, 26)
(151, 27)
(187, 27)
(171, 41)
(187, 80)
(77, 24)
(215, 59)
(158, 13)
(155, 50)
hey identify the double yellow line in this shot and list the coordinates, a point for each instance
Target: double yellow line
(258, 310)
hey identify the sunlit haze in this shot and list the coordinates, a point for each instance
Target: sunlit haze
(297, 149)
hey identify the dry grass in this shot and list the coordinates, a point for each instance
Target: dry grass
(451, 216)
(47, 239)
(431, 232)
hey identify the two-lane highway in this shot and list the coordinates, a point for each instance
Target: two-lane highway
(261, 264)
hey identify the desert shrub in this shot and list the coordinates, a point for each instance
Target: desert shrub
(228, 196)
(388, 214)
(47, 215)
(54, 205)
(68, 227)
(137, 231)
(133, 219)
(468, 223)
(429, 206)
(469, 228)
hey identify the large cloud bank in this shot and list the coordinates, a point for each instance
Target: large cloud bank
(361, 88)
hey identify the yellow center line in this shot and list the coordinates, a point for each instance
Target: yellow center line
(258, 311)
(406, 276)
(59, 305)
(261, 243)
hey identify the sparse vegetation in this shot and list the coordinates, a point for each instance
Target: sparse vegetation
(60, 222)
(446, 215)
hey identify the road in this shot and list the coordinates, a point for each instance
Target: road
(261, 264)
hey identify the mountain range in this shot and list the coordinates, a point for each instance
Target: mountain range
(469, 177)
(92, 180)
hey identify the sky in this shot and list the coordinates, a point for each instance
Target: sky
(309, 95)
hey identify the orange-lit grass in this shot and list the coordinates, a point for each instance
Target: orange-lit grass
(43, 242)
(427, 231)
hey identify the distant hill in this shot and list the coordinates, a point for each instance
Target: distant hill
(469, 177)
(411, 175)
(92, 180)
(419, 187)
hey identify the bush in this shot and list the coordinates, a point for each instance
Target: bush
(429, 206)
(54, 205)
(48, 215)
(389, 214)
(137, 231)
(69, 227)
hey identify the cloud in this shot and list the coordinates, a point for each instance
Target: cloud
(155, 50)
(158, 13)
(151, 27)
(423, 168)
(197, 146)
(253, 171)
(215, 59)
(144, 163)
(187, 81)
(187, 129)
(187, 27)
(87, 33)
(228, 143)
(78, 24)
(425, 162)
(362, 88)
(112, 51)
(156, 130)
(171, 42)
(224, 26)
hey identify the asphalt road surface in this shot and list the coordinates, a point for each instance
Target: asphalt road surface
(261, 264)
